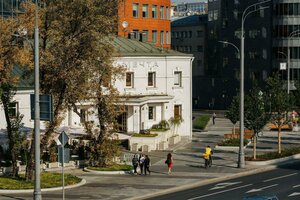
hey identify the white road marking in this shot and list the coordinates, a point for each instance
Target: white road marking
(224, 185)
(260, 189)
(296, 186)
(220, 192)
(294, 194)
(280, 177)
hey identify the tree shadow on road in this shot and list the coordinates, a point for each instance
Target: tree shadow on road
(16, 198)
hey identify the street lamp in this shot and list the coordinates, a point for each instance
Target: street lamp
(37, 182)
(254, 7)
(229, 43)
(292, 34)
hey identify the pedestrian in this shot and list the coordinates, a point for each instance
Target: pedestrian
(207, 156)
(147, 165)
(214, 118)
(169, 162)
(135, 163)
(141, 162)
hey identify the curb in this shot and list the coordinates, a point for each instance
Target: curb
(231, 148)
(204, 182)
(293, 158)
(82, 182)
(108, 172)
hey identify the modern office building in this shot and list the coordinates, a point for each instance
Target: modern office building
(145, 20)
(190, 8)
(222, 72)
(189, 36)
(286, 34)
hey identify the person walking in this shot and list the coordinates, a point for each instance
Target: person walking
(135, 163)
(214, 118)
(147, 165)
(169, 163)
(141, 162)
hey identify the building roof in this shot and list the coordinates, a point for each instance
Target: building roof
(26, 78)
(131, 47)
(192, 20)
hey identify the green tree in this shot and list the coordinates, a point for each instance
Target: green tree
(256, 113)
(280, 103)
(233, 112)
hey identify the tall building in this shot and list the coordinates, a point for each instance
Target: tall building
(286, 34)
(145, 20)
(189, 36)
(222, 72)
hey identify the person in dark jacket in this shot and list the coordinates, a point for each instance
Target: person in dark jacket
(141, 162)
(135, 163)
(147, 165)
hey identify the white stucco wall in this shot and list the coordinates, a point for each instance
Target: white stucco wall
(164, 68)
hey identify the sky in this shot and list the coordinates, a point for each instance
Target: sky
(187, 1)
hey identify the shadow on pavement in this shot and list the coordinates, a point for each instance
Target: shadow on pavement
(17, 198)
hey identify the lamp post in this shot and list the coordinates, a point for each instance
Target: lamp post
(37, 182)
(250, 9)
(282, 53)
(292, 34)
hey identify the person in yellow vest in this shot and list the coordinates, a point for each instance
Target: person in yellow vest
(207, 156)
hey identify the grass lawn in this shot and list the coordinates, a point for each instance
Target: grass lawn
(275, 155)
(48, 180)
(235, 142)
(200, 122)
(115, 167)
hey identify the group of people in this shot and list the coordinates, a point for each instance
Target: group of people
(143, 161)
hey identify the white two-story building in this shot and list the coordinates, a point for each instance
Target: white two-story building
(156, 87)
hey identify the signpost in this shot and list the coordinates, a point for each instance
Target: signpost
(282, 66)
(46, 108)
(63, 156)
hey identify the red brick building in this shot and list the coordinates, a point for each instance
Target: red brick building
(146, 20)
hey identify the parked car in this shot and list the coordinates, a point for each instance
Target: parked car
(261, 197)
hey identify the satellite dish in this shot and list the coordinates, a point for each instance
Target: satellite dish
(125, 24)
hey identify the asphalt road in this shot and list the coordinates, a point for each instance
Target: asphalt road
(284, 182)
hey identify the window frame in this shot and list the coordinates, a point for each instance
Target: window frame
(152, 79)
(151, 113)
(129, 83)
(178, 76)
(13, 107)
(145, 13)
(135, 13)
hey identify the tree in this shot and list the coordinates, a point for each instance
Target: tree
(74, 35)
(256, 113)
(280, 103)
(233, 112)
(13, 53)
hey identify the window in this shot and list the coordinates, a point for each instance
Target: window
(151, 113)
(177, 78)
(154, 11)
(145, 35)
(134, 34)
(13, 109)
(167, 37)
(162, 41)
(151, 79)
(216, 13)
(135, 10)
(145, 10)
(210, 15)
(167, 13)
(177, 111)
(83, 115)
(161, 11)
(200, 48)
(129, 79)
(154, 36)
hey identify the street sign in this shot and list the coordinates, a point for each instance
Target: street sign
(65, 157)
(282, 66)
(63, 138)
(46, 107)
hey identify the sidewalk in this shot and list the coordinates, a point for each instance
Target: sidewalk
(188, 170)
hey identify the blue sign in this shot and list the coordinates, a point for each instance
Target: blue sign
(46, 107)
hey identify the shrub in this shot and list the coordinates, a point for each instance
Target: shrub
(201, 122)
(143, 135)
(275, 155)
